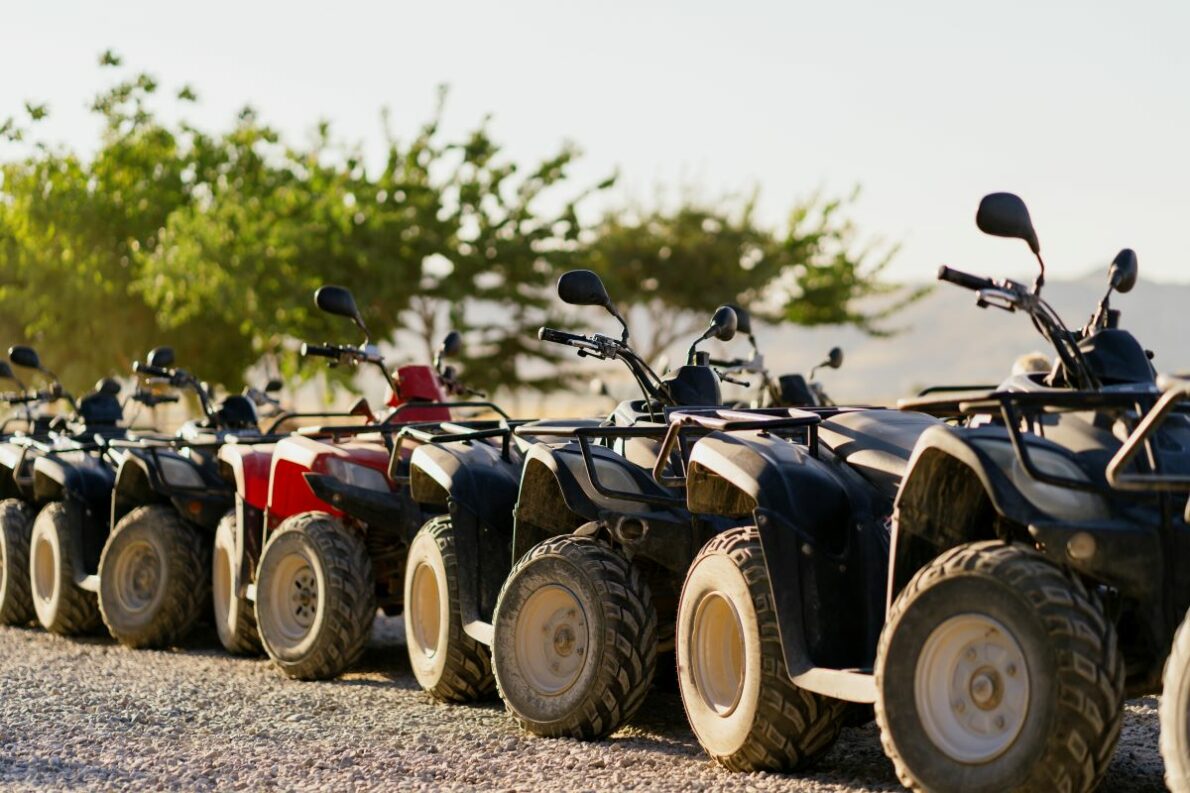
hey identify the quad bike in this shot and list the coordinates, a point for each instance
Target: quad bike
(317, 537)
(553, 547)
(788, 390)
(151, 575)
(54, 476)
(1026, 589)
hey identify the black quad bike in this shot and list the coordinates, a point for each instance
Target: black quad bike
(1027, 588)
(554, 548)
(57, 477)
(153, 574)
(787, 390)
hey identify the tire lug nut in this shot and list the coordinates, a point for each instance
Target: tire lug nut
(999, 722)
(1011, 670)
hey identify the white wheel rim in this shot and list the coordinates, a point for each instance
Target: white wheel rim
(425, 610)
(221, 588)
(44, 569)
(138, 576)
(293, 601)
(551, 639)
(717, 653)
(972, 688)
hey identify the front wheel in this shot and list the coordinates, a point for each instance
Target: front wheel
(1175, 713)
(16, 527)
(449, 664)
(575, 639)
(746, 712)
(62, 606)
(998, 669)
(315, 597)
(153, 578)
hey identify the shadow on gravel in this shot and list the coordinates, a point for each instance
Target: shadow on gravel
(51, 772)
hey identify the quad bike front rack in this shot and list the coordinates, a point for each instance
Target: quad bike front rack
(1169, 402)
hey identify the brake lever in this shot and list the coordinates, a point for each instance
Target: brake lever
(728, 379)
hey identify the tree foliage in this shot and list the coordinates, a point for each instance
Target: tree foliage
(213, 241)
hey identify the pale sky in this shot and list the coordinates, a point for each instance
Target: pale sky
(1082, 108)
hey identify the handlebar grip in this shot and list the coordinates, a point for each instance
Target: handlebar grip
(557, 336)
(965, 280)
(319, 350)
(155, 371)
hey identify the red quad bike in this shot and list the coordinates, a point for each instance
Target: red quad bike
(318, 536)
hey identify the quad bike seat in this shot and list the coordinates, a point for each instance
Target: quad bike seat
(876, 443)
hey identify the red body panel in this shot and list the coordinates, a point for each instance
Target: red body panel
(418, 383)
(289, 494)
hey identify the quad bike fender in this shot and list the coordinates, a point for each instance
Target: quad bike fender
(83, 478)
(823, 531)
(478, 486)
(965, 485)
(557, 497)
(140, 479)
(11, 456)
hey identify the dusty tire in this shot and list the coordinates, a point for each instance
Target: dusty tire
(16, 527)
(745, 711)
(61, 606)
(154, 578)
(591, 671)
(1175, 713)
(998, 669)
(235, 619)
(315, 597)
(449, 664)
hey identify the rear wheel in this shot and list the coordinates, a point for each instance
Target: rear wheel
(16, 526)
(153, 578)
(1175, 713)
(746, 712)
(447, 662)
(235, 620)
(998, 669)
(54, 549)
(315, 597)
(575, 639)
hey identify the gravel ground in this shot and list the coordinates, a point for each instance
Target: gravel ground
(90, 714)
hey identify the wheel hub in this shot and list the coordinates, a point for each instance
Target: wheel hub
(138, 576)
(718, 658)
(304, 597)
(972, 688)
(551, 639)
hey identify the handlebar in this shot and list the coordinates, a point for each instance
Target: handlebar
(156, 371)
(965, 280)
(559, 336)
(319, 350)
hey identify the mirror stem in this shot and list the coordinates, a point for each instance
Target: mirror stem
(1040, 282)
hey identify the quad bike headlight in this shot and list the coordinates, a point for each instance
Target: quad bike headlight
(179, 473)
(356, 475)
(1064, 503)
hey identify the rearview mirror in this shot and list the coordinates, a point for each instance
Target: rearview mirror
(6, 372)
(452, 345)
(583, 288)
(743, 320)
(834, 358)
(24, 356)
(161, 357)
(338, 300)
(1005, 215)
(1123, 271)
(723, 324)
(273, 385)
